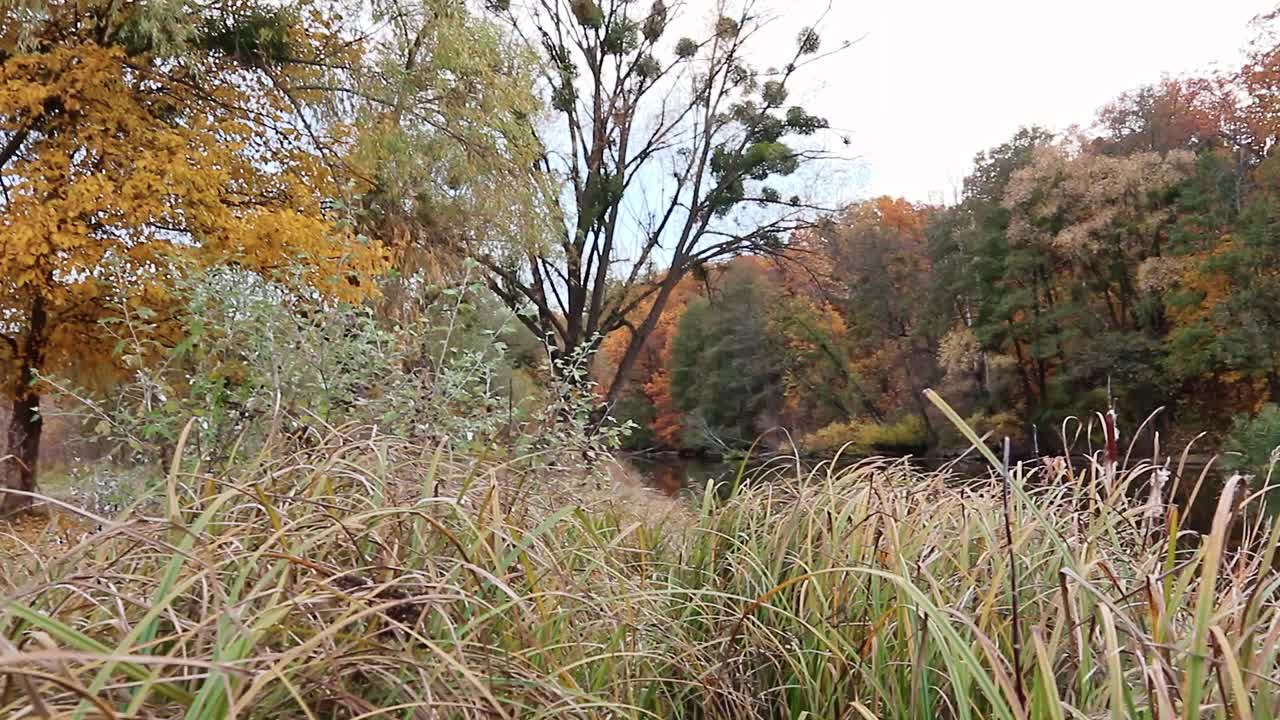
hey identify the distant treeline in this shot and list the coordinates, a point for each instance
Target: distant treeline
(1135, 264)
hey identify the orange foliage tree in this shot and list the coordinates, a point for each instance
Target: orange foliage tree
(1174, 114)
(881, 277)
(814, 361)
(650, 376)
(131, 145)
(845, 305)
(1255, 123)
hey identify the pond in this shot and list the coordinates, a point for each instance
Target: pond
(676, 475)
(670, 473)
(673, 474)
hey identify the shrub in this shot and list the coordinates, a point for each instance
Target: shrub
(907, 433)
(255, 366)
(833, 437)
(635, 408)
(865, 436)
(105, 490)
(999, 425)
(1252, 442)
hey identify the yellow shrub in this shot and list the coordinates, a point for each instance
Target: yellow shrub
(865, 436)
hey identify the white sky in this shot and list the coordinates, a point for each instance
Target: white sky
(933, 82)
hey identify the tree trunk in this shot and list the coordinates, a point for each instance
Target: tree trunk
(639, 335)
(22, 441)
(18, 472)
(1273, 380)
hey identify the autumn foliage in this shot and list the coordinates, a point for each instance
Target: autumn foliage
(124, 163)
(1128, 265)
(831, 329)
(650, 379)
(1131, 265)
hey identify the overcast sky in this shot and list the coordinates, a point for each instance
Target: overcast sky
(932, 82)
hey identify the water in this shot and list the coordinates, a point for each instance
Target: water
(673, 474)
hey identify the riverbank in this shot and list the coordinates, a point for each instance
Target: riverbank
(673, 470)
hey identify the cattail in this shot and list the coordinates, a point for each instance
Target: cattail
(1111, 455)
(1155, 499)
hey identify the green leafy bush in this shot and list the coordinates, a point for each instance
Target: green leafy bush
(1252, 443)
(257, 366)
(998, 425)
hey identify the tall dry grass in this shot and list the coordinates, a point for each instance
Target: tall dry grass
(370, 578)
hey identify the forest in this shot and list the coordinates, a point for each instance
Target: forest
(331, 331)
(1127, 265)
(638, 235)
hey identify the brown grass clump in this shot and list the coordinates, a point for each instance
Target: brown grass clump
(372, 578)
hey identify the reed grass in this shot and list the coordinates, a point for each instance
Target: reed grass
(371, 578)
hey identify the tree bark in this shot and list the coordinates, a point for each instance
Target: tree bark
(641, 333)
(23, 449)
(22, 440)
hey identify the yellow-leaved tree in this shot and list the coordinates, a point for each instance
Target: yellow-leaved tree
(137, 137)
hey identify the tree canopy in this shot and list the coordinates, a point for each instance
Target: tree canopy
(139, 139)
(671, 153)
